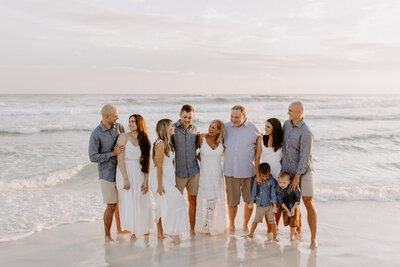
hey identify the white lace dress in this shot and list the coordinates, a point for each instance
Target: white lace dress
(171, 206)
(272, 158)
(210, 209)
(134, 207)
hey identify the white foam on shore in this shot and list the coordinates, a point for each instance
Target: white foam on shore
(39, 181)
(366, 192)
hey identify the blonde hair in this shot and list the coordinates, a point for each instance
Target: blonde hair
(241, 108)
(221, 126)
(284, 175)
(162, 130)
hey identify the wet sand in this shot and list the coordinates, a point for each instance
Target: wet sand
(349, 234)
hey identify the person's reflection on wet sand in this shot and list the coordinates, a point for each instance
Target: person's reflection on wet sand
(291, 255)
(312, 258)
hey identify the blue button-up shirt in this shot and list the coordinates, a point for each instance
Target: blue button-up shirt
(296, 148)
(186, 164)
(266, 195)
(101, 144)
(288, 197)
(240, 148)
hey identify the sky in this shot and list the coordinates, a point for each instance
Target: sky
(200, 47)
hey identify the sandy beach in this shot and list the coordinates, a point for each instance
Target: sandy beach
(350, 234)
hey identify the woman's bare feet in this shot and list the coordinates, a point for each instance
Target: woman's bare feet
(250, 235)
(161, 236)
(276, 239)
(123, 231)
(192, 233)
(175, 239)
(133, 237)
(232, 229)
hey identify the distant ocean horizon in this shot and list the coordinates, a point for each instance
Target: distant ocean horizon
(47, 179)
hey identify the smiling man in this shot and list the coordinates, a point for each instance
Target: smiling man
(186, 165)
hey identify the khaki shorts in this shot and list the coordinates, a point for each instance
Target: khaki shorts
(261, 211)
(294, 220)
(237, 186)
(307, 184)
(191, 184)
(109, 191)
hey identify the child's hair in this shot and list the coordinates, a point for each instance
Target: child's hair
(264, 168)
(187, 108)
(284, 175)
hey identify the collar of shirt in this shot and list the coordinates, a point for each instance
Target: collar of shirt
(179, 124)
(104, 128)
(246, 122)
(299, 125)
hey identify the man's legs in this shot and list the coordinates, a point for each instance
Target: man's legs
(192, 186)
(232, 210)
(117, 220)
(108, 217)
(246, 184)
(311, 219)
(192, 212)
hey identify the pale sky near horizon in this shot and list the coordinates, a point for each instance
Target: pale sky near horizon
(200, 47)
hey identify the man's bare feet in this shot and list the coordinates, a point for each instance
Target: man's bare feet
(192, 233)
(108, 239)
(314, 244)
(123, 231)
(276, 239)
(245, 228)
(133, 237)
(250, 235)
(232, 229)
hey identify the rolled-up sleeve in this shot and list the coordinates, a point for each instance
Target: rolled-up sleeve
(305, 152)
(279, 196)
(94, 150)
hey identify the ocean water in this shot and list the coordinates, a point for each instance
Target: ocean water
(46, 178)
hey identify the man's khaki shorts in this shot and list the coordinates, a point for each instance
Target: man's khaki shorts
(294, 220)
(307, 184)
(261, 211)
(235, 187)
(191, 184)
(109, 191)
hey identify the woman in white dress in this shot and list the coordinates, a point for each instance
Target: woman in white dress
(210, 209)
(171, 208)
(269, 150)
(132, 178)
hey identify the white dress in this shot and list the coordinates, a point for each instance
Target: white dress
(210, 208)
(134, 207)
(272, 158)
(171, 206)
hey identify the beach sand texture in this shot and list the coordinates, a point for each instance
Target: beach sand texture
(355, 234)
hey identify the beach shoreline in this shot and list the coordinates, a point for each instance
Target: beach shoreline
(349, 234)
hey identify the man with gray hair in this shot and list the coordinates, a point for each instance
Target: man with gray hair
(297, 161)
(103, 150)
(240, 146)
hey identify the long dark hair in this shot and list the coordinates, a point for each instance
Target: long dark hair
(144, 142)
(277, 134)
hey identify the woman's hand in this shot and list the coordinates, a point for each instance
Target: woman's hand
(127, 185)
(160, 189)
(145, 188)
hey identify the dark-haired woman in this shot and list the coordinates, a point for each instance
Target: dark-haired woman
(269, 150)
(132, 179)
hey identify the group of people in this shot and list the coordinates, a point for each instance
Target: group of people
(235, 159)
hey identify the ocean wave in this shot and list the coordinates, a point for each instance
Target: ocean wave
(44, 180)
(39, 130)
(366, 137)
(366, 192)
(352, 117)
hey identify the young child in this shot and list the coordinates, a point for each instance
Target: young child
(290, 201)
(265, 198)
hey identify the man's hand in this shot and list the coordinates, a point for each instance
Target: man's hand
(259, 181)
(117, 150)
(295, 182)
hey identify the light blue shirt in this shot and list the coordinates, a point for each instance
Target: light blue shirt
(240, 148)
